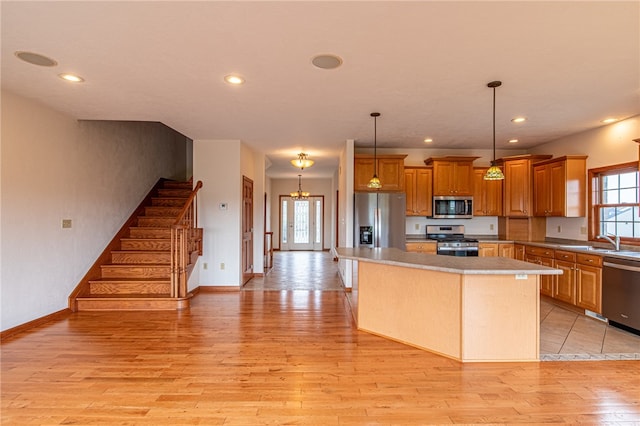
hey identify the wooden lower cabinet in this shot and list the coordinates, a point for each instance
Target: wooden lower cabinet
(496, 250)
(565, 288)
(518, 251)
(581, 281)
(422, 247)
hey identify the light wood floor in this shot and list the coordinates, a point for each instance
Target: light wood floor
(283, 357)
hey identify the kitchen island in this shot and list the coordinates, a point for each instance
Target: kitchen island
(472, 309)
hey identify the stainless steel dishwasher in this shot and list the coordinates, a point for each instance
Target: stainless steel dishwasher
(621, 292)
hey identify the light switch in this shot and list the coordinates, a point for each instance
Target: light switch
(66, 223)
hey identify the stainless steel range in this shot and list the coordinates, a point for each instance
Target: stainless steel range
(451, 240)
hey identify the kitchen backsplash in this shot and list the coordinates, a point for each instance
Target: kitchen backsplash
(479, 225)
(557, 227)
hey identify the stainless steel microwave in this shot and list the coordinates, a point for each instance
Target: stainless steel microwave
(452, 207)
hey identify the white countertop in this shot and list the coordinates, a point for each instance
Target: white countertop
(451, 264)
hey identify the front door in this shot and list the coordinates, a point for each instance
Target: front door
(301, 223)
(247, 229)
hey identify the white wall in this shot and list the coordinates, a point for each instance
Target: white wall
(316, 187)
(54, 168)
(217, 164)
(605, 146)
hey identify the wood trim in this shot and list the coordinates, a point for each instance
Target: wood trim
(95, 272)
(218, 288)
(56, 316)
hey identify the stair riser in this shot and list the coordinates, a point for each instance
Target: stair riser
(155, 222)
(134, 271)
(141, 257)
(152, 244)
(183, 193)
(181, 185)
(168, 202)
(112, 287)
(131, 304)
(149, 233)
(162, 211)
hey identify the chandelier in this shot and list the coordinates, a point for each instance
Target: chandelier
(299, 194)
(302, 161)
(494, 172)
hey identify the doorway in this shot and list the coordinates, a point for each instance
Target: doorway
(247, 229)
(301, 223)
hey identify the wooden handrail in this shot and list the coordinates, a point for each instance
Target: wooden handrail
(186, 244)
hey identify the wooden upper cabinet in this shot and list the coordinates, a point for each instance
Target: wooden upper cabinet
(390, 172)
(518, 191)
(452, 175)
(559, 187)
(487, 194)
(418, 187)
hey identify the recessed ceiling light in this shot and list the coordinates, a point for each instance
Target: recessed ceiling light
(428, 140)
(609, 120)
(518, 119)
(233, 79)
(35, 59)
(71, 77)
(327, 62)
(513, 140)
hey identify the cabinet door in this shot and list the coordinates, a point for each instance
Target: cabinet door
(557, 189)
(391, 174)
(565, 284)
(463, 178)
(410, 190)
(363, 172)
(547, 281)
(426, 247)
(589, 288)
(505, 250)
(488, 249)
(479, 192)
(541, 191)
(443, 175)
(518, 250)
(424, 191)
(517, 188)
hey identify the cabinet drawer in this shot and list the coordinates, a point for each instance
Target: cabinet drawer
(539, 251)
(589, 259)
(568, 256)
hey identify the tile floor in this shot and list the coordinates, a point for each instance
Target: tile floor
(564, 335)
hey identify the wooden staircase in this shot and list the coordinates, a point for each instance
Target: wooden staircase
(135, 272)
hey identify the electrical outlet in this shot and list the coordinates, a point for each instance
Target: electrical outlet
(417, 226)
(583, 230)
(66, 223)
(559, 229)
(205, 265)
(491, 227)
(222, 266)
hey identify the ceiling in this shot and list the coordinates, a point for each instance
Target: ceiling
(423, 65)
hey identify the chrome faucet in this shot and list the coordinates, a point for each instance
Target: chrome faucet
(616, 242)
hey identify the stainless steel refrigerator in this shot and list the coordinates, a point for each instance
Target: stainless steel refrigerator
(379, 219)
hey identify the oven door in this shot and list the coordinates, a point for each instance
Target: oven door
(458, 251)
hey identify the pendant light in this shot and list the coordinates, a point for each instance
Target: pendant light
(494, 172)
(299, 194)
(374, 182)
(302, 161)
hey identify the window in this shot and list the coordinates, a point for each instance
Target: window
(615, 203)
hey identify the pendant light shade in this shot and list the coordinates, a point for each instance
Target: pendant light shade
(374, 182)
(302, 161)
(494, 172)
(299, 194)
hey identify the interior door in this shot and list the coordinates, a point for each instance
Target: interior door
(247, 229)
(301, 221)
